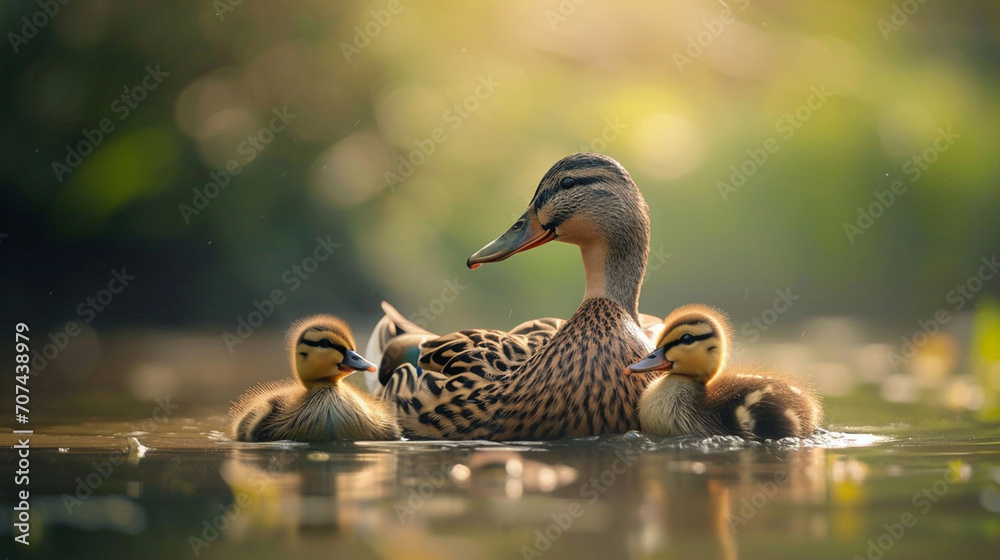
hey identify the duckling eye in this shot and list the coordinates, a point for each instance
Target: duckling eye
(686, 338)
(325, 343)
(567, 182)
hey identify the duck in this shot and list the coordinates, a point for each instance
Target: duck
(545, 379)
(697, 395)
(316, 404)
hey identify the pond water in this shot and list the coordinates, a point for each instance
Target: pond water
(887, 481)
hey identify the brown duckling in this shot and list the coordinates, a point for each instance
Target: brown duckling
(315, 405)
(696, 396)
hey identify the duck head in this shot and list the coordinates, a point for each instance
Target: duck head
(588, 200)
(323, 351)
(693, 344)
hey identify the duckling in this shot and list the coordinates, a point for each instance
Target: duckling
(315, 405)
(696, 397)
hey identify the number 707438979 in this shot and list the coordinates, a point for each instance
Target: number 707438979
(21, 372)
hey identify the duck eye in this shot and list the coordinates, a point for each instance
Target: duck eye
(687, 338)
(324, 343)
(517, 225)
(567, 182)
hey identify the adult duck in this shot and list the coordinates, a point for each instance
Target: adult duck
(486, 384)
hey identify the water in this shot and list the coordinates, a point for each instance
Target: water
(925, 484)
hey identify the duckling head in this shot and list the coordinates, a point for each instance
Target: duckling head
(582, 199)
(693, 344)
(323, 351)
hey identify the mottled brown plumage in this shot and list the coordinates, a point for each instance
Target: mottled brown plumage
(315, 405)
(398, 341)
(699, 396)
(538, 384)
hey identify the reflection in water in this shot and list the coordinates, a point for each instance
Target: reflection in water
(190, 493)
(652, 495)
(747, 491)
(723, 520)
(508, 473)
(285, 489)
(288, 491)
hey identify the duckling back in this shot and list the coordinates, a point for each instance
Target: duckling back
(253, 415)
(763, 406)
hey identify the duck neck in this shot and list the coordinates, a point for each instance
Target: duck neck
(614, 270)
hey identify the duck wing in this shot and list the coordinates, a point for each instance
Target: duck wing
(396, 340)
(545, 325)
(501, 351)
(438, 406)
(458, 377)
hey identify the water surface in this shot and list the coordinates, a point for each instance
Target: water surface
(926, 485)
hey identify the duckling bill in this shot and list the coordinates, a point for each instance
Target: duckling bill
(697, 396)
(315, 405)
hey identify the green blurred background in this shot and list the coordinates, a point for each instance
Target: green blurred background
(844, 93)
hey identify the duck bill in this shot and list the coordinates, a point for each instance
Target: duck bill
(354, 362)
(657, 361)
(526, 233)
